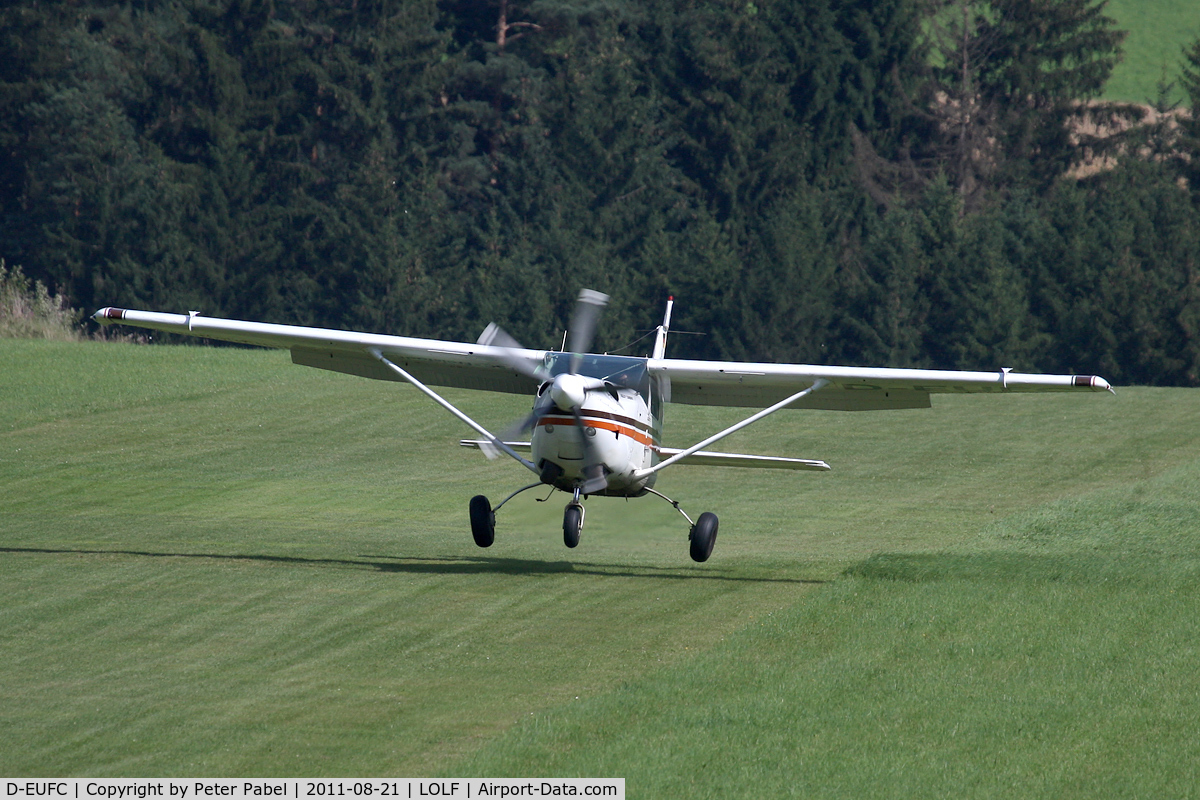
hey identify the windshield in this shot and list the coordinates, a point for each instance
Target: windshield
(620, 370)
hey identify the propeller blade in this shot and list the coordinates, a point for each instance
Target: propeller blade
(518, 428)
(495, 336)
(583, 324)
(594, 479)
(569, 390)
(544, 407)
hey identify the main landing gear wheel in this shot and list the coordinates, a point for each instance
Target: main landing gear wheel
(483, 521)
(703, 536)
(572, 524)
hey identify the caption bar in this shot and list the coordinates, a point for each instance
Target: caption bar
(308, 789)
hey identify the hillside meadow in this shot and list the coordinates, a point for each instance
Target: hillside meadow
(1153, 50)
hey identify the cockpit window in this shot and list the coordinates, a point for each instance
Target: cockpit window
(619, 370)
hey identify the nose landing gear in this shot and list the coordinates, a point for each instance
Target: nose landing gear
(572, 523)
(573, 520)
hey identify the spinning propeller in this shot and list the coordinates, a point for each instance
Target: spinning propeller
(568, 390)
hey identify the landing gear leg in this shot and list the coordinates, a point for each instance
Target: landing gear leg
(703, 532)
(483, 516)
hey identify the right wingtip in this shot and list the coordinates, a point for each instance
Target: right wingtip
(1094, 382)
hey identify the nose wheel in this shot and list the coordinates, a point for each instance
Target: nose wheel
(572, 524)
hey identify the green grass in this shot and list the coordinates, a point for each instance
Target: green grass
(1158, 31)
(1052, 655)
(216, 563)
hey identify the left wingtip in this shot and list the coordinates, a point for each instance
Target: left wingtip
(108, 315)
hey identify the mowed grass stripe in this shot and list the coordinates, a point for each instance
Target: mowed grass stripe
(272, 574)
(217, 563)
(1051, 655)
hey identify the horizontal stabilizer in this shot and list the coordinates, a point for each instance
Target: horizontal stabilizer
(710, 459)
(479, 444)
(702, 458)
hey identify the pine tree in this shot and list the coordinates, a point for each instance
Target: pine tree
(1116, 278)
(786, 290)
(106, 206)
(981, 315)
(1003, 84)
(1188, 161)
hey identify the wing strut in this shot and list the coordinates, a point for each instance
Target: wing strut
(818, 384)
(446, 404)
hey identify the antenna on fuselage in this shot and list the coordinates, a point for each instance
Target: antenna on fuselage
(660, 339)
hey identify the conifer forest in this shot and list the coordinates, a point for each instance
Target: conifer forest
(932, 183)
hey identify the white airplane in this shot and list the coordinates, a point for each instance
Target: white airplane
(597, 419)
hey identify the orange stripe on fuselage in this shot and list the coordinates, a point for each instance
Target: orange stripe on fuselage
(636, 435)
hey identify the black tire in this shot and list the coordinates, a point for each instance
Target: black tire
(572, 525)
(483, 521)
(704, 536)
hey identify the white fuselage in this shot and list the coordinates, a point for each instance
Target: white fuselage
(622, 434)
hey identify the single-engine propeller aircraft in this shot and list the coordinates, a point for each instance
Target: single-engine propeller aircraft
(596, 423)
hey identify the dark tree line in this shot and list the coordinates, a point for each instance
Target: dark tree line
(854, 181)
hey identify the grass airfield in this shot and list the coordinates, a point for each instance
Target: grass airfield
(215, 563)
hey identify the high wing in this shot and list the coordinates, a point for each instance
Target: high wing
(726, 383)
(441, 363)
(719, 383)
